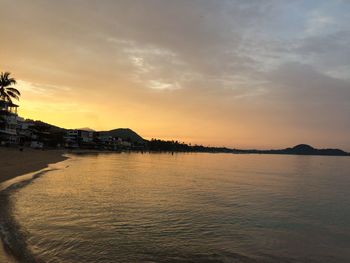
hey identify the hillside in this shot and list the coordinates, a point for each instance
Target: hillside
(300, 149)
(125, 134)
(304, 149)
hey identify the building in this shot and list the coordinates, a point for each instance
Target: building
(9, 122)
(25, 130)
(94, 140)
(78, 138)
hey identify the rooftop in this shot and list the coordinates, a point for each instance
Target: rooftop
(7, 104)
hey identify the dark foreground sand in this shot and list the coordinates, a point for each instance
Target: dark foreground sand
(14, 162)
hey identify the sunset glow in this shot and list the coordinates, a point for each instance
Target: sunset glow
(245, 74)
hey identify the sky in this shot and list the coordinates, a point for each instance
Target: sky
(235, 73)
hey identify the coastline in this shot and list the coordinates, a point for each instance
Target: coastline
(14, 162)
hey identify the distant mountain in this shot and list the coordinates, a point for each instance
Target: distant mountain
(301, 149)
(43, 126)
(86, 129)
(125, 134)
(304, 149)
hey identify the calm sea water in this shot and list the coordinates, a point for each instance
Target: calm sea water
(182, 208)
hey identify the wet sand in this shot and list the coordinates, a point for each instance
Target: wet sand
(14, 162)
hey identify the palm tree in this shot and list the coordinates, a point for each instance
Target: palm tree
(7, 93)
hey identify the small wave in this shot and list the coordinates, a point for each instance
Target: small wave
(180, 257)
(12, 235)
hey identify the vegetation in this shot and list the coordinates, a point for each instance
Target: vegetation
(7, 92)
(175, 146)
(126, 134)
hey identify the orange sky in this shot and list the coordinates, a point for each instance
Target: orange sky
(227, 74)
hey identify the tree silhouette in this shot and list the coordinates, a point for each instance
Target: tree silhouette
(7, 92)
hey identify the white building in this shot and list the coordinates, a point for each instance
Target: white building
(75, 138)
(9, 122)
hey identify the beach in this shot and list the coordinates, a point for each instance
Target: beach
(14, 162)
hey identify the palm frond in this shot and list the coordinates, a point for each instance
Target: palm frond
(12, 95)
(16, 91)
(8, 93)
(5, 79)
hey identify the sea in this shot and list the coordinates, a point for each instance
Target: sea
(181, 207)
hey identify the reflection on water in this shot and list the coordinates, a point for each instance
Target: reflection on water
(189, 208)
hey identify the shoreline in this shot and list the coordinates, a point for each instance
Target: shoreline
(14, 163)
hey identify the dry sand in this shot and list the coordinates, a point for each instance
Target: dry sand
(13, 162)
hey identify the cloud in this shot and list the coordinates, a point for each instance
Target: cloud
(251, 63)
(300, 82)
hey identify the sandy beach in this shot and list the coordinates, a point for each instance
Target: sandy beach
(14, 162)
